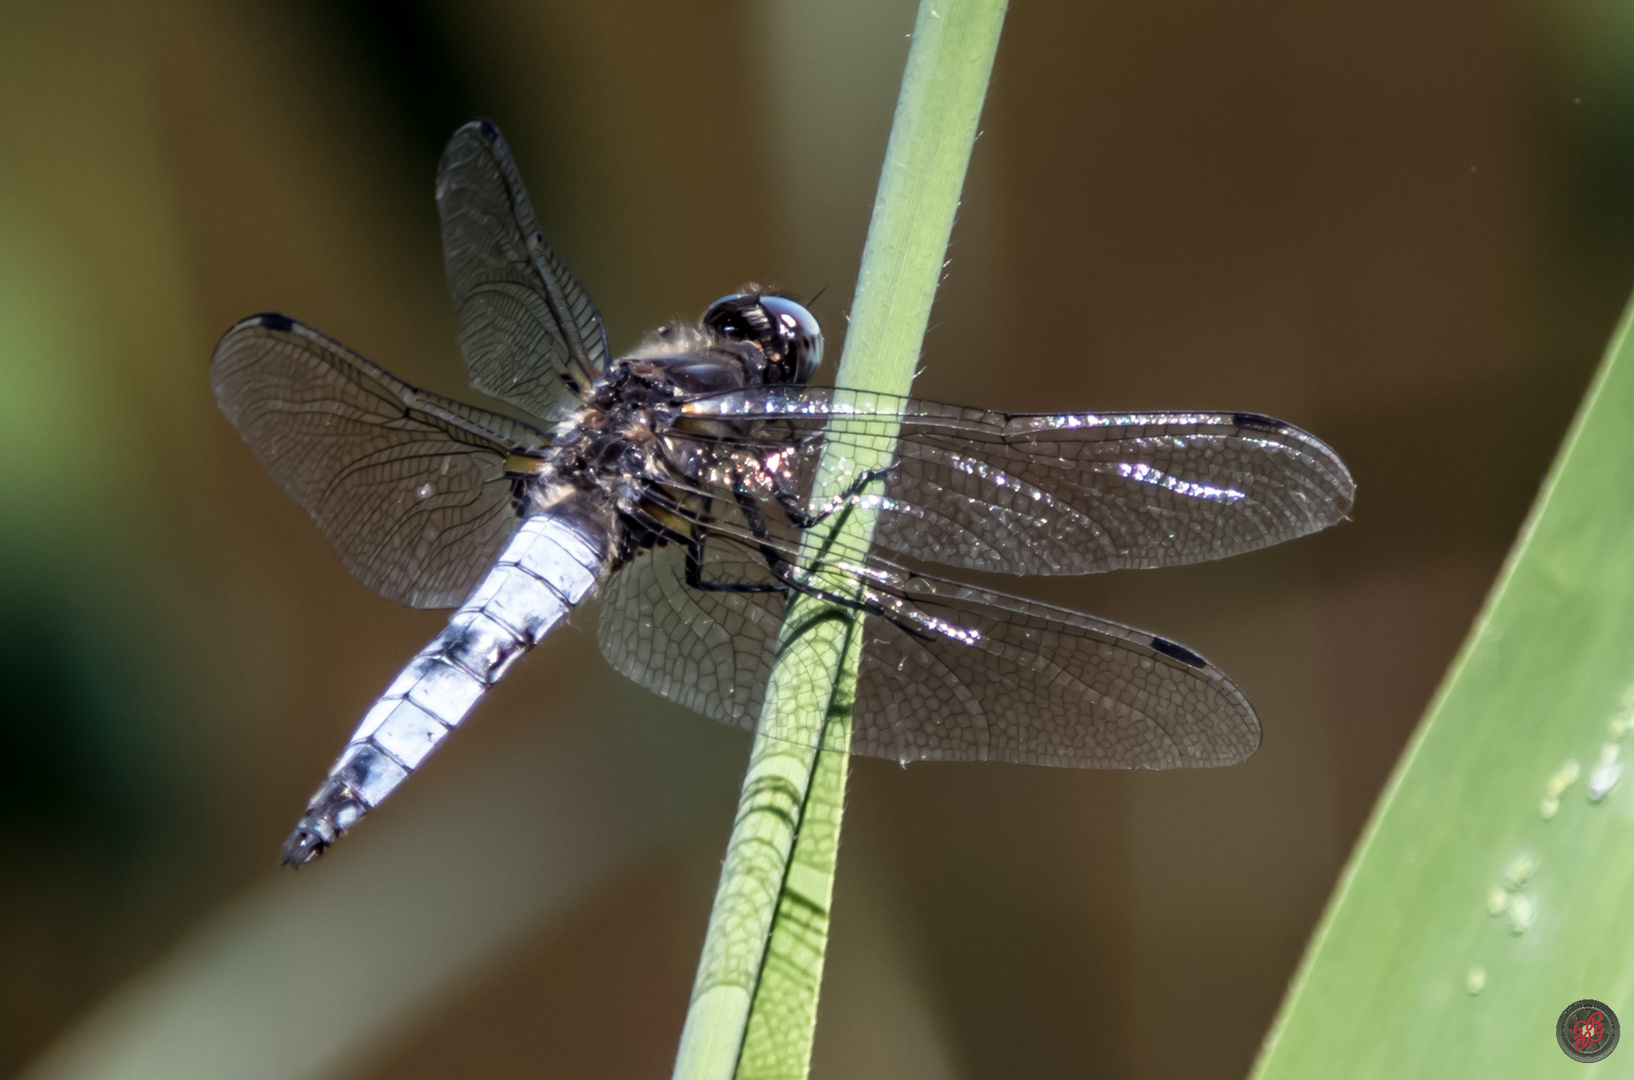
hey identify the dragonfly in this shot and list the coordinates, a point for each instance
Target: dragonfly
(681, 480)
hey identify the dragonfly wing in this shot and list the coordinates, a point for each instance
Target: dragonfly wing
(410, 488)
(1068, 493)
(957, 673)
(710, 652)
(529, 333)
(949, 672)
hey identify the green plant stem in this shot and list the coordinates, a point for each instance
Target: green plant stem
(812, 686)
(1491, 888)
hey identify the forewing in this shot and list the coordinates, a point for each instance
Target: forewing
(409, 487)
(529, 332)
(1067, 493)
(949, 672)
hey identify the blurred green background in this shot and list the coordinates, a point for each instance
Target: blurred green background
(1408, 227)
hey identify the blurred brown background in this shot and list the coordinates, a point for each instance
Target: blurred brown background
(1405, 226)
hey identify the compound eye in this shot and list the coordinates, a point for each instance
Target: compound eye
(738, 316)
(788, 334)
(799, 334)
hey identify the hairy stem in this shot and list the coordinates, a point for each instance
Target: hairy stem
(754, 1002)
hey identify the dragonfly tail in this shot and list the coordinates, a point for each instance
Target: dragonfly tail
(551, 565)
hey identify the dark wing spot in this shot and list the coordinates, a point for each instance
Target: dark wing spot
(489, 132)
(1258, 421)
(1178, 652)
(274, 321)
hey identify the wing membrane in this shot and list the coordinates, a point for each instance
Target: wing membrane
(710, 652)
(949, 672)
(1019, 493)
(529, 333)
(968, 674)
(409, 487)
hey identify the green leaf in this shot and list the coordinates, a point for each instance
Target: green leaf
(1492, 887)
(777, 879)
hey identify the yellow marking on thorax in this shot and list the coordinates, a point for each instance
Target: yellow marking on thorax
(523, 465)
(701, 425)
(668, 519)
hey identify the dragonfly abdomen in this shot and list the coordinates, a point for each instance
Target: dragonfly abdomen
(551, 566)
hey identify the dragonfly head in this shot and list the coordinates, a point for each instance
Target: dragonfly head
(787, 333)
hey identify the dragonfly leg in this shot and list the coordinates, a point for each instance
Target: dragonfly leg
(695, 578)
(797, 514)
(695, 540)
